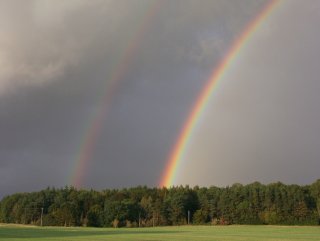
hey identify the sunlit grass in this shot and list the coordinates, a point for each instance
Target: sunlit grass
(181, 233)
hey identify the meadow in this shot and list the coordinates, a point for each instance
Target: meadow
(176, 233)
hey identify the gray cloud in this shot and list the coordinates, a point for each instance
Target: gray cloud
(262, 122)
(57, 59)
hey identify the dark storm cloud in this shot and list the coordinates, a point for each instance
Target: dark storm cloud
(262, 123)
(56, 58)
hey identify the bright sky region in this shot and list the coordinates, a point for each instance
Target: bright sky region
(136, 68)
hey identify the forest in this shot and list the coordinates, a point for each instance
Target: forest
(255, 203)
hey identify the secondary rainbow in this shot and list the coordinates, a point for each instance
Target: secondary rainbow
(201, 102)
(96, 120)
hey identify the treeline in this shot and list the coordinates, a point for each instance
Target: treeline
(255, 203)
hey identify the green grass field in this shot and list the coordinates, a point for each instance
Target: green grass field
(183, 233)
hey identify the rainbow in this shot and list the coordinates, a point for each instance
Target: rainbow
(96, 120)
(203, 99)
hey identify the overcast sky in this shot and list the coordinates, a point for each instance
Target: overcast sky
(58, 58)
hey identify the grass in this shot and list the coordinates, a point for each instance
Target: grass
(181, 233)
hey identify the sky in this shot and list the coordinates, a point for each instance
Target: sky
(132, 71)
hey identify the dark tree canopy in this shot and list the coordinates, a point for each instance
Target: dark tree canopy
(255, 203)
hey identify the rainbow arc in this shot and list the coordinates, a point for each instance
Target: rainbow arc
(200, 105)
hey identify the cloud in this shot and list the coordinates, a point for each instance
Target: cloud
(41, 40)
(32, 53)
(56, 61)
(262, 120)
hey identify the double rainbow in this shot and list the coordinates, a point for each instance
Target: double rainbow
(200, 105)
